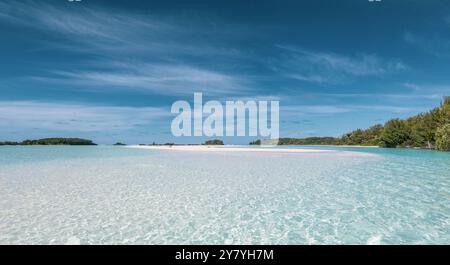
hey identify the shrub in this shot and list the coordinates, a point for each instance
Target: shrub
(395, 133)
(443, 138)
(214, 142)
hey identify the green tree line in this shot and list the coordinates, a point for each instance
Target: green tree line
(427, 130)
(52, 141)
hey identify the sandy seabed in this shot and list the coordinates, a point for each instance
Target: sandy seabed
(222, 195)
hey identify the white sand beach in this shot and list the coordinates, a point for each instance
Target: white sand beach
(218, 148)
(222, 149)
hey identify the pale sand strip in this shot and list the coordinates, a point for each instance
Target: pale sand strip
(215, 148)
(243, 149)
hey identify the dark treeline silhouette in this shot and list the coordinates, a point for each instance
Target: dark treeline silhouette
(303, 141)
(52, 141)
(214, 142)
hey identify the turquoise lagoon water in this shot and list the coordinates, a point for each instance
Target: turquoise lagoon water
(119, 195)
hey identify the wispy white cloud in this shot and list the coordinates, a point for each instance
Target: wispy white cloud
(308, 110)
(110, 39)
(429, 89)
(313, 109)
(388, 96)
(325, 67)
(254, 98)
(431, 43)
(426, 91)
(81, 25)
(73, 117)
(167, 79)
(109, 31)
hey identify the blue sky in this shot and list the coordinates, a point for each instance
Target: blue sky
(110, 70)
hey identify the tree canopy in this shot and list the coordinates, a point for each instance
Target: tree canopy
(52, 141)
(214, 142)
(443, 138)
(425, 130)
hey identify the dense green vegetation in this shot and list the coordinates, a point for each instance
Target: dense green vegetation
(426, 130)
(299, 141)
(52, 141)
(256, 142)
(395, 133)
(443, 138)
(308, 141)
(9, 143)
(214, 142)
(368, 137)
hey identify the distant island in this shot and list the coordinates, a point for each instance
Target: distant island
(301, 141)
(213, 142)
(208, 142)
(430, 130)
(52, 141)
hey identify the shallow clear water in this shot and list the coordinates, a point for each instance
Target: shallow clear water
(119, 195)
